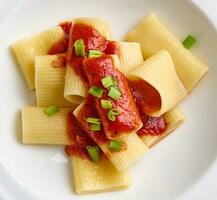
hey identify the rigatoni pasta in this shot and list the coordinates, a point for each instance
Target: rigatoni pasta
(27, 49)
(159, 72)
(174, 118)
(75, 88)
(50, 73)
(102, 176)
(38, 128)
(88, 176)
(122, 159)
(153, 36)
(100, 99)
(130, 56)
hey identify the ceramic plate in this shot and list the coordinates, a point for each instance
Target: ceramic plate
(182, 166)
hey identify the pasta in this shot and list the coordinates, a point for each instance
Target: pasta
(130, 56)
(174, 118)
(38, 128)
(49, 81)
(154, 36)
(26, 50)
(100, 99)
(123, 159)
(159, 72)
(92, 177)
(88, 176)
(75, 89)
(99, 24)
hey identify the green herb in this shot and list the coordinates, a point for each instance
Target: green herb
(95, 127)
(189, 42)
(96, 91)
(79, 47)
(114, 93)
(107, 81)
(94, 53)
(93, 120)
(51, 110)
(94, 153)
(106, 104)
(112, 114)
(115, 145)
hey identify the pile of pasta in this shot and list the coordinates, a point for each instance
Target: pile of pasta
(149, 53)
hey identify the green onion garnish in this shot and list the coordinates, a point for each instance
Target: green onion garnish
(51, 110)
(107, 81)
(94, 53)
(94, 153)
(189, 42)
(115, 112)
(112, 114)
(96, 91)
(95, 127)
(79, 47)
(115, 145)
(106, 104)
(93, 120)
(114, 93)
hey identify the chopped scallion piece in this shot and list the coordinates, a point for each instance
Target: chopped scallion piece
(106, 104)
(94, 53)
(51, 110)
(112, 114)
(79, 47)
(115, 112)
(189, 41)
(107, 81)
(96, 91)
(115, 145)
(93, 120)
(114, 93)
(94, 153)
(95, 127)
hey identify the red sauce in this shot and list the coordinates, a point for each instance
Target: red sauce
(89, 110)
(128, 119)
(60, 61)
(59, 47)
(93, 40)
(78, 137)
(66, 26)
(62, 45)
(145, 96)
(152, 125)
(147, 99)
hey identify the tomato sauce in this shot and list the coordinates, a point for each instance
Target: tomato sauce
(147, 99)
(59, 47)
(62, 45)
(152, 125)
(60, 61)
(66, 26)
(145, 96)
(78, 137)
(93, 40)
(128, 119)
(89, 110)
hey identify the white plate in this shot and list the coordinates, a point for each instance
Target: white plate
(182, 166)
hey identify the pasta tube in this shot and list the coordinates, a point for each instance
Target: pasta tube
(159, 72)
(173, 118)
(27, 49)
(153, 36)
